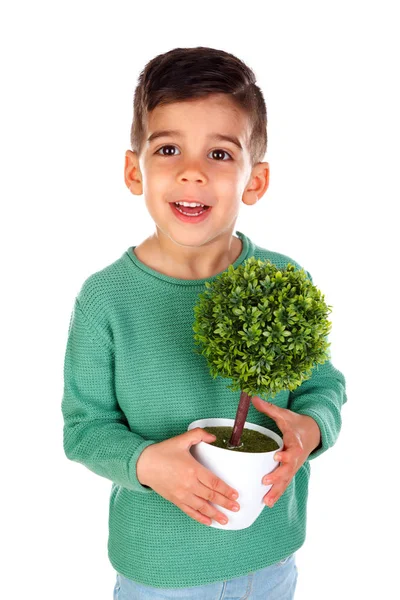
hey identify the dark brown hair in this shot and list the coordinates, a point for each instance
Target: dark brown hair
(185, 73)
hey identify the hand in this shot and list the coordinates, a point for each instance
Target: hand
(171, 471)
(301, 435)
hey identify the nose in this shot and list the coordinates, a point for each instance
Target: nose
(194, 179)
(192, 173)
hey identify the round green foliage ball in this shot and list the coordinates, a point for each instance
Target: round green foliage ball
(265, 328)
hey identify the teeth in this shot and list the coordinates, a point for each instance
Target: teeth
(193, 204)
(190, 214)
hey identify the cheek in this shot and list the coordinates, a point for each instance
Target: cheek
(230, 192)
(157, 181)
(228, 184)
(232, 174)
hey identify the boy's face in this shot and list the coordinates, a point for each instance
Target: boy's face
(193, 164)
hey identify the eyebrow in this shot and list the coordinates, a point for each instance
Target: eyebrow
(215, 136)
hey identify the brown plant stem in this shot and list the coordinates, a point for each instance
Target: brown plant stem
(241, 415)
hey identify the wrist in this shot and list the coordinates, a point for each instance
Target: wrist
(313, 433)
(142, 468)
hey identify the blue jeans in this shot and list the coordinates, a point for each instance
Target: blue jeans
(276, 582)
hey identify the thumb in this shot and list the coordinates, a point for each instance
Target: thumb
(264, 405)
(260, 401)
(196, 435)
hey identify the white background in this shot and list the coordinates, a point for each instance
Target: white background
(329, 74)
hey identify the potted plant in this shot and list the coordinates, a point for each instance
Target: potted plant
(265, 328)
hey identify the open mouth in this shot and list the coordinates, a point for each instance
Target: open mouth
(191, 211)
(190, 214)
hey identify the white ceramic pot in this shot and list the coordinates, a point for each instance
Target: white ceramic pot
(243, 471)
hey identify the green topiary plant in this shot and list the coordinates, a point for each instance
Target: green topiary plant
(263, 327)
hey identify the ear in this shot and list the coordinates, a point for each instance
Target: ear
(132, 174)
(258, 183)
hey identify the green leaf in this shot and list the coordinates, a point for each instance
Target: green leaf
(262, 326)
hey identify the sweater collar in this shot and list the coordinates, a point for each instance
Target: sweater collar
(247, 250)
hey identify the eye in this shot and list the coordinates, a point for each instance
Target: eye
(162, 148)
(218, 150)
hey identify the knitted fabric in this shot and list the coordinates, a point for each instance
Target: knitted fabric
(131, 379)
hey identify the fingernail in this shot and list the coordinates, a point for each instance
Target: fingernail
(278, 457)
(267, 481)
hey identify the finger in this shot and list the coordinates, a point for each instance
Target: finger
(201, 505)
(213, 482)
(274, 494)
(271, 499)
(195, 514)
(208, 495)
(282, 456)
(291, 453)
(280, 476)
(274, 412)
(292, 444)
(289, 461)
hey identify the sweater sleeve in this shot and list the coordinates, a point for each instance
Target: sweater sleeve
(321, 397)
(96, 431)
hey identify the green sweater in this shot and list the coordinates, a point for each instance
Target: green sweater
(131, 379)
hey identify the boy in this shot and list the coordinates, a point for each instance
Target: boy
(132, 382)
